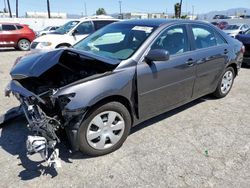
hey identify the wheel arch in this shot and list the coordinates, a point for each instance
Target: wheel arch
(63, 44)
(234, 66)
(114, 98)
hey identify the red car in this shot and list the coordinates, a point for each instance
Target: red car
(16, 35)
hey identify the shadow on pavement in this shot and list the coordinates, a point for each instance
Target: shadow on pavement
(14, 134)
(170, 113)
(7, 49)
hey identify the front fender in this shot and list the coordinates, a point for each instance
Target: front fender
(86, 94)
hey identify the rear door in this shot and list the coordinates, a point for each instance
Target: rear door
(211, 56)
(166, 84)
(9, 35)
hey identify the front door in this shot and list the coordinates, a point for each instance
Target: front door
(163, 85)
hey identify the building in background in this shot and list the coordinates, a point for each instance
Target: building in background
(135, 15)
(45, 15)
(158, 15)
(6, 15)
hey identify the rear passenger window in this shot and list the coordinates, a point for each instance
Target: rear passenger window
(204, 37)
(19, 27)
(174, 40)
(100, 24)
(6, 27)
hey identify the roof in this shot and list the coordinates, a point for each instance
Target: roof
(157, 22)
(10, 23)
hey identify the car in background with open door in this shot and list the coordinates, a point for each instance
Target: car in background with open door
(16, 35)
(70, 33)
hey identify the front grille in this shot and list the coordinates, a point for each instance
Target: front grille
(33, 45)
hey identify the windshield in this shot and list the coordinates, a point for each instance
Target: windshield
(116, 41)
(232, 27)
(46, 29)
(66, 27)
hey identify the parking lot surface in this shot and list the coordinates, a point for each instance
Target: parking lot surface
(205, 143)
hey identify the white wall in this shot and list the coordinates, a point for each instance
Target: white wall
(36, 23)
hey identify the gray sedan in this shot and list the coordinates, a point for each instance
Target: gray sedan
(119, 76)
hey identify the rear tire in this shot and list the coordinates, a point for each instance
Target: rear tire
(104, 130)
(225, 84)
(23, 45)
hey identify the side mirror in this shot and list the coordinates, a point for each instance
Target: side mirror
(75, 32)
(157, 55)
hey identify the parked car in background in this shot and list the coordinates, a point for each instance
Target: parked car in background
(222, 24)
(215, 23)
(244, 16)
(245, 39)
(235, 29)
(69, 34)
(221, 17)
(119, 76)
(46, 30)
(16, 35)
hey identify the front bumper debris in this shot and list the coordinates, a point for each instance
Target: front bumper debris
(43, 138)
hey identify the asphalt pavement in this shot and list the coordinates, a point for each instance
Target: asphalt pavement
(205, 143)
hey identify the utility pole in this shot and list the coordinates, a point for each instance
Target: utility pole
(48, 7)
(120, 6)
(193, 12)
(85, 8)
(180, 8)
(5, 9)
(16, 8)
(8, 2)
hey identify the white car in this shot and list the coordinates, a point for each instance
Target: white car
(46, 30)
(69, 34)
(235, 29)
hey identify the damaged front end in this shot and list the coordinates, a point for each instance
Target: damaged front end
(38, 82)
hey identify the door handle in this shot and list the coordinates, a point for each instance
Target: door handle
(190, 62)
(226, 51)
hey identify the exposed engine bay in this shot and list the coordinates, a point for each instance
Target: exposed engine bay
(44, 112)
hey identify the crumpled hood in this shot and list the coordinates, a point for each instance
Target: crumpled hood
(35, 65)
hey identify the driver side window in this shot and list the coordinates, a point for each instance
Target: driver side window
(84, 28)
(174, 40)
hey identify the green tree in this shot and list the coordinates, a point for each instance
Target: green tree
(101, 11)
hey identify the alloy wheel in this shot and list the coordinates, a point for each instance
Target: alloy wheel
(227, 81)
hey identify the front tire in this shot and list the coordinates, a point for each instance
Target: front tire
(225, 84)
(105, 129)
(23, 45)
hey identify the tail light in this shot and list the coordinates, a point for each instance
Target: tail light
(243, 49)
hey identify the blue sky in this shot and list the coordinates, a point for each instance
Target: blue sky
(112, 6)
